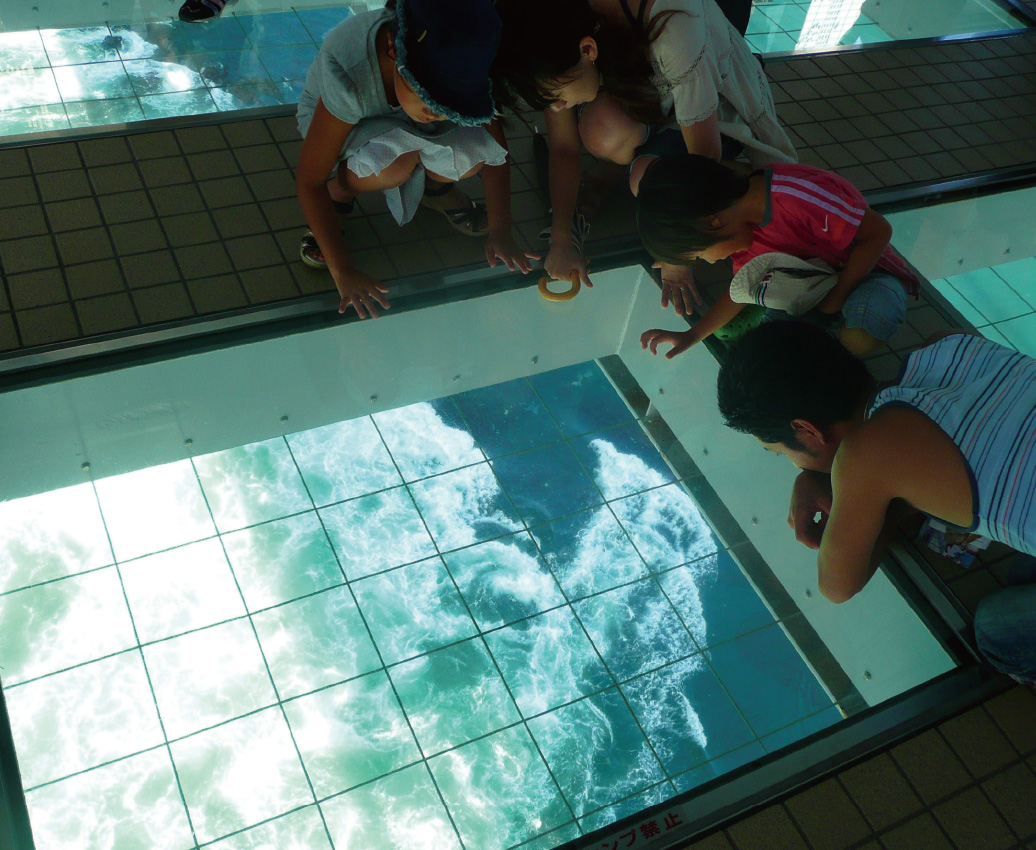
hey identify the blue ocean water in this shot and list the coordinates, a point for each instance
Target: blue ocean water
(488, 621)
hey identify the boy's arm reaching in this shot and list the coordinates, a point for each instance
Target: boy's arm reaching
(870, 242)
(719, 314)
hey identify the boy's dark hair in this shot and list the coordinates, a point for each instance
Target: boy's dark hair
(540, 44)
(787, 370)
(678, 196)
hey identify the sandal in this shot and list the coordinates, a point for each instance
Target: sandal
(309, 252)
(580, 231)
(194, 11)
(470, 219)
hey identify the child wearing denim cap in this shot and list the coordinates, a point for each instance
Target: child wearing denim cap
(398, 100)
(691, 207)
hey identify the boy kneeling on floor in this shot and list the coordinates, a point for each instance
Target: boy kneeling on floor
(691, 207)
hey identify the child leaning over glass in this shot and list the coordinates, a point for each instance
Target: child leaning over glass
(691, 207)
(396, 101)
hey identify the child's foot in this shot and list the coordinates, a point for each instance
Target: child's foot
(194, 11)
(464, 215)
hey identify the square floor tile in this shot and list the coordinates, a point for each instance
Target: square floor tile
(176, 104)
(990, 296)
(81, 718)
(547, 660)
(207, 677)
(413, 609)
(401, 810)
(765, 662)
(686, 714)
(503, 580)
(343, 460)
(634, 628)
(589, 552)
(274, 28)
(319, 22)
(453, 695)
(314, 642)
(666, 526)
(21, 51)
(546, 483)
(464, 507)
(629, 806)
(374, 533)
(622, 461)
(97, 81)
(715, 600)
(1021, 275)
(282, 560)
(351, 733)
(181, 589)
(1019, 333)
(718, 766)
(428, 438)
(580, 398)
(499, 791)
(154, 509)
(300, 830)
(251, 484)
(61, 624)
(507, 417)
(289, 62)
(98, 113)
(50, 535)
(596, 751)
(78, 45)
(802, 729)
(239, 774)
(121, 806)
(963, 306)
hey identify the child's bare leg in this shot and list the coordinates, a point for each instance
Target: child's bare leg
(465, 216)
(391, 176)
(858, 341)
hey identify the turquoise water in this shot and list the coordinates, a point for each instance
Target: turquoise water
(487, 621)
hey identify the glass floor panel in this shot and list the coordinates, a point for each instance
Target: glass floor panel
(492, 620)
(66, 66)
(989, 276)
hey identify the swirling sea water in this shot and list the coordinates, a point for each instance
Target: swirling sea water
(405, 630)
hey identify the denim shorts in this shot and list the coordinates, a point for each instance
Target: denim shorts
(877, 305)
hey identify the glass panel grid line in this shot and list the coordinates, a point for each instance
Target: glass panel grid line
(615, 682)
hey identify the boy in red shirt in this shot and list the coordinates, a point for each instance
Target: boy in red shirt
(691, 207)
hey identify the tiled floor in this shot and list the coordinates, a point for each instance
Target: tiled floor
(999, 301)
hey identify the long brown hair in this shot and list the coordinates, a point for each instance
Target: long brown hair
(540, 45)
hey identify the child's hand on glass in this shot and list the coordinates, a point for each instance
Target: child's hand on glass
(679, 340)
(562, 260)
(501, 248)
(678, 287)
(361, 291)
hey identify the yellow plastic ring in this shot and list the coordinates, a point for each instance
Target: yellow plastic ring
(567, 295)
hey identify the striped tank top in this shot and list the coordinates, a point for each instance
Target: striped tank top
(983, 396)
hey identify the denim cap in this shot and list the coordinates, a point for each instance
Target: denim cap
(452, 44)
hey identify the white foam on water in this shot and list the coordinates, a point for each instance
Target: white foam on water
(132, 804)
(343, 460)
(458, 506)
(423, 444)
(50, 535)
